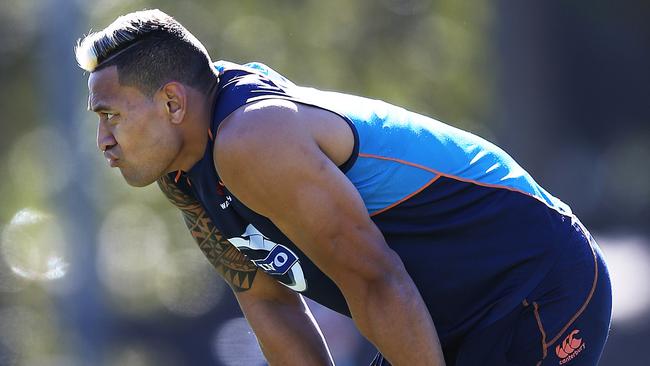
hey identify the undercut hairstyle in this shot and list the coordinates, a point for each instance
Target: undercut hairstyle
(150, 49)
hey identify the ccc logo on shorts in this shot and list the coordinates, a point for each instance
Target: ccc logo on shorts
(570, 347)
(273, 258)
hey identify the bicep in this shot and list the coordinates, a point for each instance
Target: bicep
(305, 194)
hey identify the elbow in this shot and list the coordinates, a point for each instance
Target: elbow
(377, 291)
(367, 271)
(375, 277)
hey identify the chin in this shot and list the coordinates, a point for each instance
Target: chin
(137, 180)
(139, 184)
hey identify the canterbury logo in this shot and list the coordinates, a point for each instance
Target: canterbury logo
(570, 347)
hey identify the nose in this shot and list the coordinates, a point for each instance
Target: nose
(105, 139)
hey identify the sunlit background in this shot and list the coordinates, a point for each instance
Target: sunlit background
(93, 272)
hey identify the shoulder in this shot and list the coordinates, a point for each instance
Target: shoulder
(270, 113)
(279, 126)
(263, 147)
(262, 127)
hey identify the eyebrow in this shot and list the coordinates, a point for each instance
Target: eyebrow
(98, 108)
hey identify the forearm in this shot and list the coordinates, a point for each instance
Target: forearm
(392, 315)
(287, 332)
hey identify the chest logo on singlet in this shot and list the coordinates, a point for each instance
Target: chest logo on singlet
(273, 258)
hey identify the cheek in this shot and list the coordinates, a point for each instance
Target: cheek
(153, 141)
(139, 122)
(136, 132)
(129, 137)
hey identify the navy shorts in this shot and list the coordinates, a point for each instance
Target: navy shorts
(564, 321)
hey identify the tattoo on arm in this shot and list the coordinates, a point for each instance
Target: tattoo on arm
(229, 262)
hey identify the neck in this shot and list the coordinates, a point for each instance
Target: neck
(195, 134)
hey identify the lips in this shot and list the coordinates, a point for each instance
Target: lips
(111, 158)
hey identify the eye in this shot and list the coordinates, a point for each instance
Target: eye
(109, 116)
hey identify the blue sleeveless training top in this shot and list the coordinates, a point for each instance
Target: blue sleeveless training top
(476, 233)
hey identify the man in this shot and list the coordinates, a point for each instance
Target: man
(438, 245)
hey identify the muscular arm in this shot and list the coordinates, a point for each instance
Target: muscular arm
(319, 209)
(269, 307)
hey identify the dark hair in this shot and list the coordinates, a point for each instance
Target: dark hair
(150, 49)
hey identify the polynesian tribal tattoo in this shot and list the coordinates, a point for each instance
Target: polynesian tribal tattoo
(229, 262)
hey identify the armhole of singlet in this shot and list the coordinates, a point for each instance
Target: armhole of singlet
(355, 149)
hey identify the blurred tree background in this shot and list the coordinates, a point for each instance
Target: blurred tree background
(93, 272)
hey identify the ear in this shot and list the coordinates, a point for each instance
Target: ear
(174, 95)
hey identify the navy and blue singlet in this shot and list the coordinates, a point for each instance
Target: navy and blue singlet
(475, 232)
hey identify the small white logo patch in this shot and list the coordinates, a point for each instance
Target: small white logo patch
(226, 203)
(273, 258)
